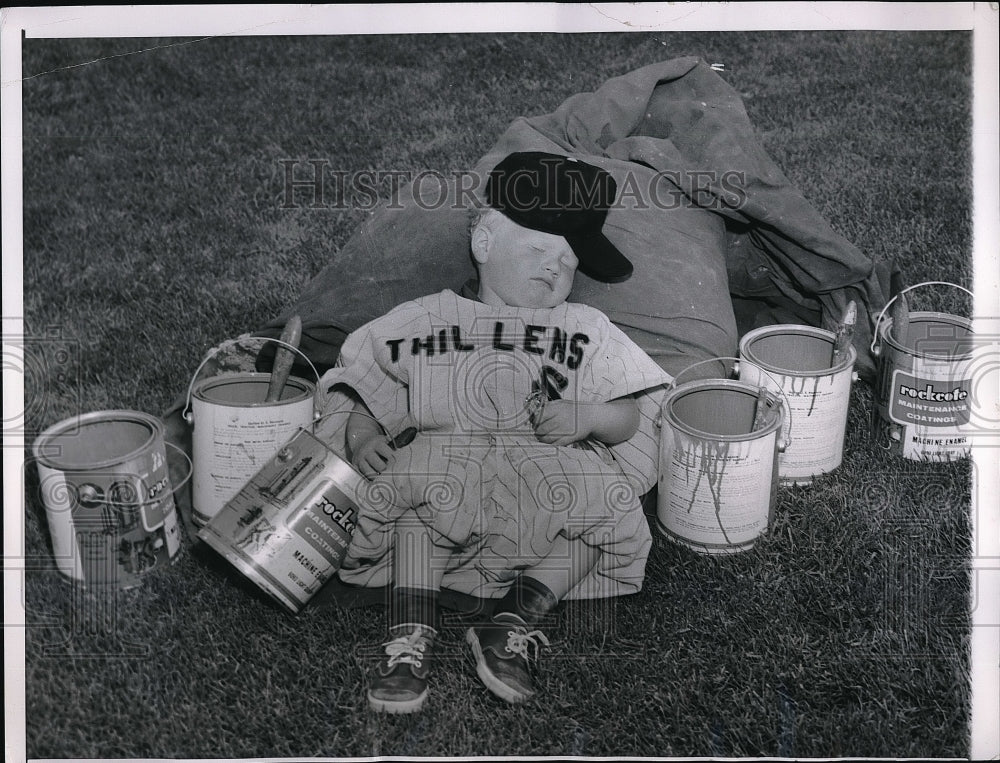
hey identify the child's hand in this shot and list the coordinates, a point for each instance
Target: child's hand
(563, 422)
(373, 456)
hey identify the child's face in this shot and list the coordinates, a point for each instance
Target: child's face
(524, 267)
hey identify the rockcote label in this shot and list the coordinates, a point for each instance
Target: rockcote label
(929, 402)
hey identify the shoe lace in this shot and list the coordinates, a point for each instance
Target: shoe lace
(409, 649)
(519, 639)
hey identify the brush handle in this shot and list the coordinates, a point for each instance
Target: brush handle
(404, 438)
(892, 301)
(901, 319)
(844, 334)
(283, 359)
(760, 410)
(896, 284)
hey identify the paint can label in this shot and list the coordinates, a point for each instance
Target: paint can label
(925, 395)
(289, 527)
(932, 406)
(130, 527)
(111, 521)
(233, 438)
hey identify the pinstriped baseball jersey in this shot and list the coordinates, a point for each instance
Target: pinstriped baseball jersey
(496, 497)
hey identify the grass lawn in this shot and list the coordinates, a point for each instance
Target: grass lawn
(154, 229)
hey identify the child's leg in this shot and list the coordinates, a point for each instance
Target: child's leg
(559, 577)
(436, 503)
(504, 648)
(399, 685)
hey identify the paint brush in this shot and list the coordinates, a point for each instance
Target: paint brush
(844, 334)
(283, 359)
(900, 310)
(404, 438)
(895, 279)
(901, 319)
(760, 411)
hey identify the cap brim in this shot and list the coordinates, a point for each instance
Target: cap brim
(599, 258)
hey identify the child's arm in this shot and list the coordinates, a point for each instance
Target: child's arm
(563, 422)
(367, 446)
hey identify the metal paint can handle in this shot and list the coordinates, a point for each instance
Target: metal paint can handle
(188, 414)
(881, 315)
(401, 440)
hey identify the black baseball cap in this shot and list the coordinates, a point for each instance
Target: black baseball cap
(564, 196)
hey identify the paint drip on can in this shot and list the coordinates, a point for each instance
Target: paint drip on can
(818, 391)
(718, 473)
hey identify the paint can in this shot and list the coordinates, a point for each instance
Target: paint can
(718, 475)
(923, 394)
(799, 358)
(234, 431)
(289, 527)
(108, 498)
